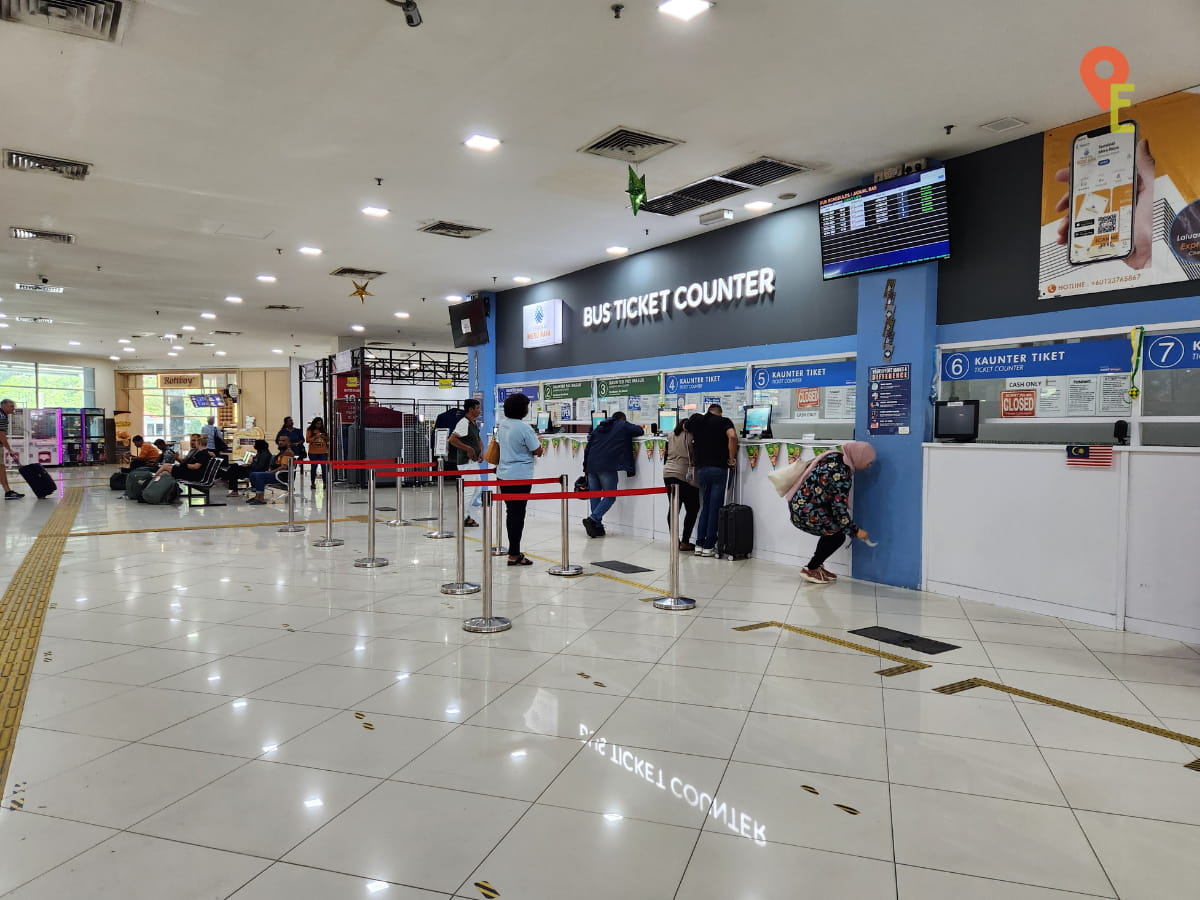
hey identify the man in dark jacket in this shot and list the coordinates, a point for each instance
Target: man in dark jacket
(609, 451)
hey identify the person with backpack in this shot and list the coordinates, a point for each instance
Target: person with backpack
(819, 502)
(211, 433)
(466, 444)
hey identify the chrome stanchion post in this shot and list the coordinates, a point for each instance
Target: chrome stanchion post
(329, 540)
(291, 527)
(674, 601)
(460, 585)
(487, 623)
(370, 561)
(497, 549)
(564, 566)
(441, 532)
(399, 520)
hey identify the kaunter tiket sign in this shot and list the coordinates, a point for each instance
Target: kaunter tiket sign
(656, 305)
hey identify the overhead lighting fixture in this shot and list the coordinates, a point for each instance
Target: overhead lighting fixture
(376, 211)
(685, 10)
(613, 817)
(207, 316)
(311, 251)
(357, 328)
(453, 298)
(522, 279)
(267, 279)
(172, 353)
(124, 341)
(5, 346)
(759, 205)
(115, 358)
(276, 350)
(219, 353)
(128, 349)
(482, 142)
(314, 802)
(176, 348)
(189, 327)
(230, 299)
(401, 315)
(3, 324)
(73, 343)
(616, 251)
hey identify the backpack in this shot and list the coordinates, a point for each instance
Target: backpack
(219, 444)
(136, 481)
(161, 489)
(117, 480)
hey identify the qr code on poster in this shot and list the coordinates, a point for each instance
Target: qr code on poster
(1107, 224)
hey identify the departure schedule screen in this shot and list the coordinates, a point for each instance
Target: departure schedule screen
(892, 223)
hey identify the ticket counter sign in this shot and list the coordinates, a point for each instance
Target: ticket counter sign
(567, 390)
(803, 375)
(1018, 404)
(529, 390)
(1171, 351)
(1084, 358)
(720, 381)
(630, 386)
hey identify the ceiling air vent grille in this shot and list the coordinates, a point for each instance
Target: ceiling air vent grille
(453, 229)
(33, 234)
(1003, 124)
(99, 19)
(764, 170)
(357, 274)
(283, 307)
(35, 320)
(34, 162)
(39, 288)
(629, 146)
(226, 333)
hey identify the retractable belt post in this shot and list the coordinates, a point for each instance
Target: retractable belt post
(399, 520)
(564, 567)
(329, 540)
(487, 623)
(370, 561)
(460, 585)
(441, 533)
(291, 527)
(674, 601)
(497, 549)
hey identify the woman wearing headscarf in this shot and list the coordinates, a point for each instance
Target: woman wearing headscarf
(819, 502)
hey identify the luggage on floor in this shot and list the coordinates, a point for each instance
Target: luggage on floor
(38, 479)
(135, 483)
(117, 480)
(161, 489)
(735, 527)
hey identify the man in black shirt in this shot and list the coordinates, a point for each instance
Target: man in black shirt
(193, 464)
(714, 448)
(6, 409)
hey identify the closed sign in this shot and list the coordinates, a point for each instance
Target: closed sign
(1018, 404)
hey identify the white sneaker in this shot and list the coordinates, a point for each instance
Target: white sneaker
(706, 551)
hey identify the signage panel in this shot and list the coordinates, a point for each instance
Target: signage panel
(630, 386)
(1085, 358)
(543, 324)
(566, 390)
(806, 375)
(1172, 351)
(722, 380)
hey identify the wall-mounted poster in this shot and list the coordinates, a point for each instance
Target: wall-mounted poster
(1122, 209)
(889, 405)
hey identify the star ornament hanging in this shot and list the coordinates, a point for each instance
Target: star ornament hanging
(360, 291)
(636, 190)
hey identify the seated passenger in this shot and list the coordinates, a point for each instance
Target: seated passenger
(275, 474)
(261, 463)
(166, 454)
(193, 464)
(144, 455)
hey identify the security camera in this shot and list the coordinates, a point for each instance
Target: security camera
(45, 280)
(412, 15)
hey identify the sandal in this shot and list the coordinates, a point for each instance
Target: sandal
(522, 560)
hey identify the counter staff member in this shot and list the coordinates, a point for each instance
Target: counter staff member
(714, 447)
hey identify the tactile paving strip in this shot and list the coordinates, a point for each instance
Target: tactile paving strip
(906, 665)
(22, 613)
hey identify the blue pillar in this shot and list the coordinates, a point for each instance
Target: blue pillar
(889, 497)
(481, 362)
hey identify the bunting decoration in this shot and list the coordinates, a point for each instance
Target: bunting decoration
(649, 449)
(545, 442)
(817, 451)
(773, 454)
(752, 454)
(662, 449)
(794, 452)
(575, 445)
(556, 442)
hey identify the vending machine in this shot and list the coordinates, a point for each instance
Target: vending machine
(45, 437)
(93, 433)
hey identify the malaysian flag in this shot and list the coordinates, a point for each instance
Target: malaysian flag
(1093, 455)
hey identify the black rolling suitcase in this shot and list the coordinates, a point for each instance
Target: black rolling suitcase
(735, 527)
(38, 479)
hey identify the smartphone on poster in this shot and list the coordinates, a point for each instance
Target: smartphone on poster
(1103, 192)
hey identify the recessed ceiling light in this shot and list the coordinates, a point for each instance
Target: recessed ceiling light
(73, 343)
(482, 142)
(377, 211)
(276, 350)
(357, 328)
(314, 802)
(3, 324)
(115, 358)
(208, 315)
(267, 279)
(219, 353)
(453, 298)
(5, 346)
(311, 251)
(189, 327)
(3, 316)
(172, 353)
(176, 348)
(231, 299)
(616, 251)
(128, 349)
(759, 205)
(522, 279)
(124, 341)
(685, 10)
(401, 315)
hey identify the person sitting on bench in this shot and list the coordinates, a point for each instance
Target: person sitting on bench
(166, 454)
(146, 455)
(260, 463)
(193, 464)
(276, 474)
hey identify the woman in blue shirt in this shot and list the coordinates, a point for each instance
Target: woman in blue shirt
(519, 444)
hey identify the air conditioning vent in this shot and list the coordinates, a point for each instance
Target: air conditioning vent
(357, 274)
(453, 229)
(629, 146)
(283, 306)
(33, 234)
(226, 333)
(764, 170)
(103, 20)
(1003, 124)
(35, 320)
(33, 162)
(40, 288)
(201, 344)
(702, 193)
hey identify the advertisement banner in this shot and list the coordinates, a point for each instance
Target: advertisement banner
(630, 386)
(543, 324)
(1122, 209)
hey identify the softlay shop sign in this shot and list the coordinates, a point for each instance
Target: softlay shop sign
(542, 324)
(1084, 358)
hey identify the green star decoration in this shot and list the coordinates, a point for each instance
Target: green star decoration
(636, 190)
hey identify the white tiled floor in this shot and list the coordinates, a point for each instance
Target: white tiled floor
(198, 731)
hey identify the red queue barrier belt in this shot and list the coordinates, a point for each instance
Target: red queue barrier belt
(579, 495)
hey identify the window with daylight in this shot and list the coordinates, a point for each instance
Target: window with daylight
(36, 386)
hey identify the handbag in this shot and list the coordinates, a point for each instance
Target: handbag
(492, 456)
(783, 479)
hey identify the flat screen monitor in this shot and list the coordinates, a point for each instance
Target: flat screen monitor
(892, 223)
(597, 418)
(468, 323)
(956, 420)
(668, 419)
(543, 422)
(758, 420)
